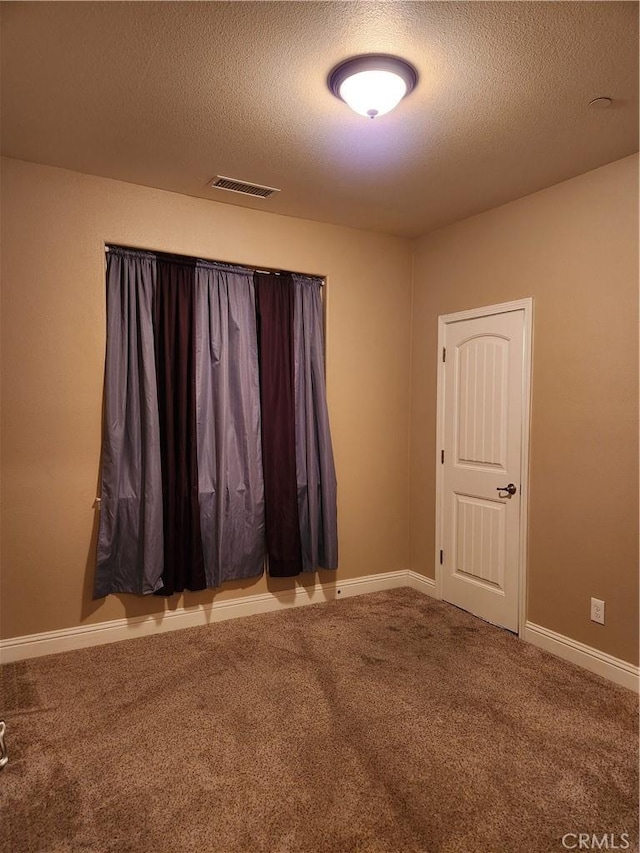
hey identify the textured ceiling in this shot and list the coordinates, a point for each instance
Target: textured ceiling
(171, 94)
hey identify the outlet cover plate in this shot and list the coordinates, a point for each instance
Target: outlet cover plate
(597, 611)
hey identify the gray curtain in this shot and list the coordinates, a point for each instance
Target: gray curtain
(130, 540)
(230, 481)
(316, 475)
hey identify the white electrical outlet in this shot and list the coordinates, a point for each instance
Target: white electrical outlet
(597, 611)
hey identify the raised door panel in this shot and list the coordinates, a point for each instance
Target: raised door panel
(481, 411)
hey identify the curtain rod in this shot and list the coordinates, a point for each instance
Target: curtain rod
(271, 271)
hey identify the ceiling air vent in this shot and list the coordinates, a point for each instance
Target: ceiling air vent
(235, 186)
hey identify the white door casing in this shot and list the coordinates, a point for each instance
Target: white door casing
(483, 444)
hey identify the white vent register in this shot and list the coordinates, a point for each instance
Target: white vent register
(220, 182)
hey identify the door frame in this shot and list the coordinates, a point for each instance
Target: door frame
(526, 306)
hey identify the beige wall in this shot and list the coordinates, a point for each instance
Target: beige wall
(54, 226)
(574, 249)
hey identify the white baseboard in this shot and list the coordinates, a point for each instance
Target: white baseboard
(585, 656)
(422, 584)
(84, 636)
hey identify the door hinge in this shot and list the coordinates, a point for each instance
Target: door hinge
(444, 353)
(442, 457)
(441, 557)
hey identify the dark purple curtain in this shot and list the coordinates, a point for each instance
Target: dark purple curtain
(173, 320)
(275, 303)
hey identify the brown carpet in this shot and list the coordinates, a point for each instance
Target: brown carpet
(387, 723)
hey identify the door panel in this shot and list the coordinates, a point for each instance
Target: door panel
(481, 380)
(479, 540)
(482, 433)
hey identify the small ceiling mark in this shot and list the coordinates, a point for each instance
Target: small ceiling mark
(602, 103)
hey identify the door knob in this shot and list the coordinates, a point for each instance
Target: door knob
(511, 489)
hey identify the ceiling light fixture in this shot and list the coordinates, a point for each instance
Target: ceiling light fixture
(372, 84)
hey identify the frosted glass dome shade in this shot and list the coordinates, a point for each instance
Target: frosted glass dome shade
(373, 93)
(373, 84)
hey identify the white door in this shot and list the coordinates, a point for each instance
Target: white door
(483, 402)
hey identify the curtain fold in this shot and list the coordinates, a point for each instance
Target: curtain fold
(316, 475)
(130, 553)
(173, 320)
(230, 483)
(275, 305)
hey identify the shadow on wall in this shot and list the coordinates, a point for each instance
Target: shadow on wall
(285, 590)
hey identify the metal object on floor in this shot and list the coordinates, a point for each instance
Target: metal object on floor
(4, 758)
